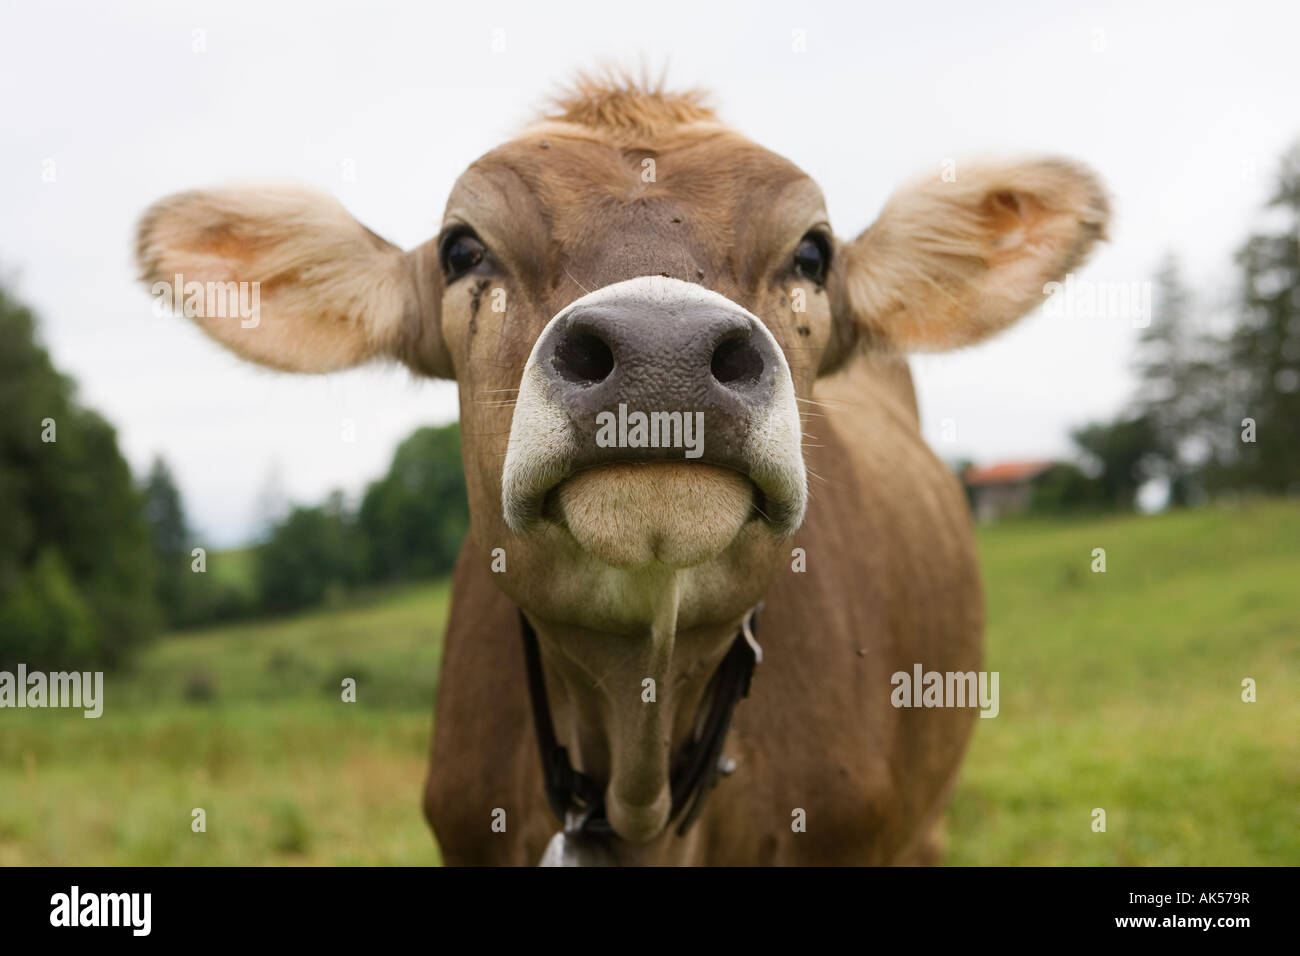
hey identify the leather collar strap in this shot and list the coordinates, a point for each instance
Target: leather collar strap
(579, 801)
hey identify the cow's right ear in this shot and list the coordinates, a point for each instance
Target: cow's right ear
(287, 278)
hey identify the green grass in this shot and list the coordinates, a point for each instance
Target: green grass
(236, 568)
(1119, 690)
(1123, 691)
(247, 723)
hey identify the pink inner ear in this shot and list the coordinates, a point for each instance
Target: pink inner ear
(224, 241)
(1012, 219)
(1008, 200)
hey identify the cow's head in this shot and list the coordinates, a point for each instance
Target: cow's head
(634, 300)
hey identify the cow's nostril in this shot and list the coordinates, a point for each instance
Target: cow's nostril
(736, 362)
(584, 358)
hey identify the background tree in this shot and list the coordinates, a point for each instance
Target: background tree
(1177, 378)
(166, 516)
(76, 559)
(1066, 489)
(1121, 452)
(272, 505)
(315, 554)
(415, 518)
(1263, 352)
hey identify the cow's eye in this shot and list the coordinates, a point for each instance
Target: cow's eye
(812, 257)
(461, 252)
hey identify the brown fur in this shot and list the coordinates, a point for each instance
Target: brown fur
(886, 586)
(614, 104)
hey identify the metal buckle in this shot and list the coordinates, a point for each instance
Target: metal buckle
(747, 629)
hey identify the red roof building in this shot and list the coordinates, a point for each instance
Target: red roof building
(997, 491)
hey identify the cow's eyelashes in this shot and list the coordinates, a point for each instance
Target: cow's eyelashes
(460, 252)
(812, 257)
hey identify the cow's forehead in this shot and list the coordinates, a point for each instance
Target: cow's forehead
(697, 203)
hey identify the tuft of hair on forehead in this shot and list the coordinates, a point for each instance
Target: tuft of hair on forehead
(614, 101)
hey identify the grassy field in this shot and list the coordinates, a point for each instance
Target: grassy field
(1123, 691)
(1119, 690)
(246, 722)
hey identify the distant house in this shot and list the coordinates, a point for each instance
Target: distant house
(1000, 490)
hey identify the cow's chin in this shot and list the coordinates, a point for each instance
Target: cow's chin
(632, 515)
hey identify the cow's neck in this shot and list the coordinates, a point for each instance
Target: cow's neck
(621, 729)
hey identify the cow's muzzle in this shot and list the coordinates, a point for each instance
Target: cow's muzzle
(656, 370)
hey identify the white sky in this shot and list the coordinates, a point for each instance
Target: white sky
(1183, 110)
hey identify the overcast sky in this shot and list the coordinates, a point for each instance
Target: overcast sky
(1183, 108)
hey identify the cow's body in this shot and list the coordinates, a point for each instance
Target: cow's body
(891, 581)
(631, 251)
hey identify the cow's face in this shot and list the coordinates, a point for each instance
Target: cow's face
(634, 302)
(631, 322)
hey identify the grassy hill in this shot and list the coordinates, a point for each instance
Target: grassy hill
(1119, 690)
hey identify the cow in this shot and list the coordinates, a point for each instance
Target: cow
(706, 533)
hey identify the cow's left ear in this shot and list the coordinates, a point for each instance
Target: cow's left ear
(951, 262)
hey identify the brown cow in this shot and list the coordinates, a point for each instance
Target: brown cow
(681, 397)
